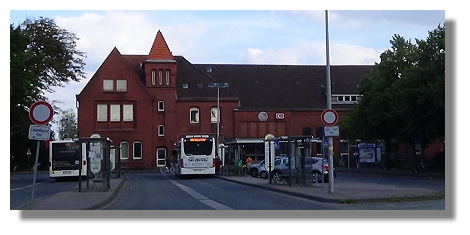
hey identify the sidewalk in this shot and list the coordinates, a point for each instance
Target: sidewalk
(88, 199)
(345, 191)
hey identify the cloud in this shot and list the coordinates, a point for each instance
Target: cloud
(354, 55)
(314, 54)
(128, 31)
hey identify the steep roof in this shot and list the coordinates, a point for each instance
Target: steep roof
(159, 50)
(193, 84)
(263, 87)
(291, 87)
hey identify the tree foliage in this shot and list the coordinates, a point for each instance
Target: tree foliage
(42, 56)
(403, 97)
(67, 124)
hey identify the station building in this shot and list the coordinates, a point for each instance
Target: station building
(146, 103)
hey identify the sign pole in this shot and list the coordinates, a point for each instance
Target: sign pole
(35, 173)
(328, 102)
(40, 113)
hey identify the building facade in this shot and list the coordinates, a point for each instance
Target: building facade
(146, 103)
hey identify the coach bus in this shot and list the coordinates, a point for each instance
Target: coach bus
(64, 159)
(195, 155)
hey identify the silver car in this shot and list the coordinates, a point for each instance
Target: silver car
(313, 169)
(258, 169)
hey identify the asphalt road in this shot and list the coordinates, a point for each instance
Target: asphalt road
(150, 191)
(154, 191)
(21, 188)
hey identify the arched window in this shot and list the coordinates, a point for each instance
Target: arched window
(161, 156)
(194, 115)
(154, 77)
(124, 150)
(215, 114)
(137, 150)
(160, 77)
(167, 77)
(161, 106)
(161, 130)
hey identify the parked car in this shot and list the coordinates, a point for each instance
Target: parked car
(258, 169)
(313, 168)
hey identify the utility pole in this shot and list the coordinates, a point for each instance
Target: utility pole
(328, 104)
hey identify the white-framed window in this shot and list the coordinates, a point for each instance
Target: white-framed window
(115, 112)
(215, 114)
(128, 112)
(137, 150)
(161, 106)
(154, 74)
(161, 130)
(167, 77)
(194, 115)
(345, 98)
(121, 85)
(102, 112)
(124, 150)
(160, 77)
(108, 85)
(161, 156)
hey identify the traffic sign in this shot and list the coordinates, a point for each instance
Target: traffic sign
(39, 132)
(329, 117)
(41, 112)
(331, 131)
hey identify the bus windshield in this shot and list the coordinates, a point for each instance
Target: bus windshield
(198, 146)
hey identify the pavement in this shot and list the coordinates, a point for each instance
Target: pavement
(343, 191)
(90, 198)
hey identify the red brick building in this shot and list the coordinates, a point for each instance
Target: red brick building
(145, 103)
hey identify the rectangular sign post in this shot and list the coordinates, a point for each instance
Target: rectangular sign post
(331, 131)
(37, 132)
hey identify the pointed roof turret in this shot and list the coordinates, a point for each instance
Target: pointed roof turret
(160, 50)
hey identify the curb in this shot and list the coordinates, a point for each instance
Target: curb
(320, 199)
(436, 196)
(109, 199)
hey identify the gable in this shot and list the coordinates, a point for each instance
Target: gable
(115, 67)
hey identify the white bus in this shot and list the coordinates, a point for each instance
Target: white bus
(64, 159)
(195, 155)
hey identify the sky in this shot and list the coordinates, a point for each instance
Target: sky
(295, 37)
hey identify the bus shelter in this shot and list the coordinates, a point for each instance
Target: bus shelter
(296, 149)
(99, 153)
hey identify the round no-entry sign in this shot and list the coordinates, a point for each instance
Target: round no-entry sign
(329, 117)
(41, 112)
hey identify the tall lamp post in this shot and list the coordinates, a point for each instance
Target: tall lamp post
(328, 104)
(218, 85)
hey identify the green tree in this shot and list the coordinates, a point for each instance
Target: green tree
(42, 56)
(67, 124)
(403, 96)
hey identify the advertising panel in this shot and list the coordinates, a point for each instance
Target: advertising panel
(366, 153)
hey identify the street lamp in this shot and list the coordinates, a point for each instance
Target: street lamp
(218, 85)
